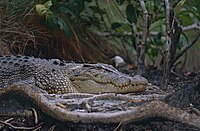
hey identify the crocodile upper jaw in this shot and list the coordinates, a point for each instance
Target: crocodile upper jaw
(88, 85)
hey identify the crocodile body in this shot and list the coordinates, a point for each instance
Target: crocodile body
(56, 76)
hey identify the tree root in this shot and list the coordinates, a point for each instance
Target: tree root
(124, 109)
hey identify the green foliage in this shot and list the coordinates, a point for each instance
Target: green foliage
(71, 16)
(194, 7)
(115, 25)
(36, 20)
(131, 14)
(183, 40)
(150, 6)
(68, 13)
(186, 13)
(179, 6)
(51, 17)
(120, 2)
(154, 47)
(91, 14)
(120, 27)
(43, 9)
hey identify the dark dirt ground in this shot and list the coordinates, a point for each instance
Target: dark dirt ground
(186, 87)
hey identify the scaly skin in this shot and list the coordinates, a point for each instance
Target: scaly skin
(95, 78)
(59, 77)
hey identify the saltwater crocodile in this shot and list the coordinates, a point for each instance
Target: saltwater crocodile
(56, 76)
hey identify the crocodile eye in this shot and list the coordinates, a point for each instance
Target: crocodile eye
(55, 62)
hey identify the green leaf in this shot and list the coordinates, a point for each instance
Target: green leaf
(63, 26)
(54, 2)
(67, 11)
(51, 21)
(154, 52)
(115, 25)
(158, 40)
(192, 12)
(120, 2)
(150, 6)
(178, 6)
(194, 4)
(41, 9)
(48, 4)
(95, 9)
(88, 1)
(157, 4)
(182, 41)
(73, 8)
(157, 24)
(131, 14)
(186, 17)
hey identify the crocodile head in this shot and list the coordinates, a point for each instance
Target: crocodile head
(103, 81)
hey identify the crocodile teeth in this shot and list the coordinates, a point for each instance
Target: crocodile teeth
(104, 81)
(120, 84)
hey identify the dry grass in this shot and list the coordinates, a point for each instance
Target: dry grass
(23, 32)
(14, 35)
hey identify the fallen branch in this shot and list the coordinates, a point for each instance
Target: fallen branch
(17, 127)
(35, 116)
(16, 113)
(157, 108)
(8, 120)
